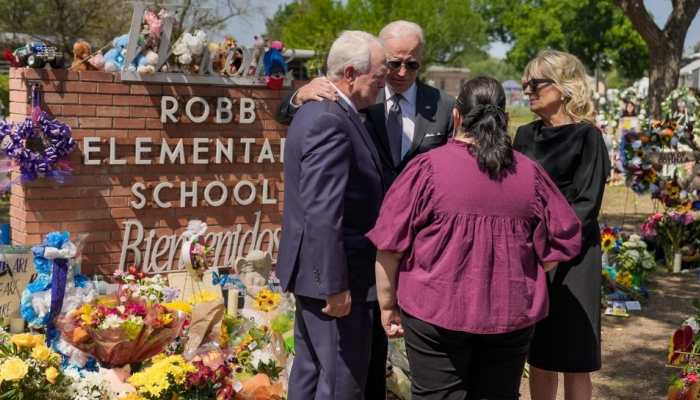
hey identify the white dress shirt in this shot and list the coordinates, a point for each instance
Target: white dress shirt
(408, 112)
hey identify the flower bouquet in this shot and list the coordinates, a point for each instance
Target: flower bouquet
(125, 328)
(29, 370)
(634, 261)
(670, 230)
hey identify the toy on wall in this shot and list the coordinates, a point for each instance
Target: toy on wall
(275, 66)
(84, 60)
(37, 55)
(147, 59)
(234, 56)
(116, 56)
(258, 49)
(188, 51)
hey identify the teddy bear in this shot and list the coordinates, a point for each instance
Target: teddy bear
(188, 50)
(115, 57)
(81, 57)
(145, 62)
(218, 57)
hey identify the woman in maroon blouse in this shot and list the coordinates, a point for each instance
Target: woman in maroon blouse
(470, 229)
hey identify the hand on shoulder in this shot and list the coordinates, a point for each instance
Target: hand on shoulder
(318, 89)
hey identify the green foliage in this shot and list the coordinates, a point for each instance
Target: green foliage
(594, 30)
(500, 70)
(452, 28)
(5, 92)
(62, 22)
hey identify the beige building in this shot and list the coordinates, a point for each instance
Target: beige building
(449, 79)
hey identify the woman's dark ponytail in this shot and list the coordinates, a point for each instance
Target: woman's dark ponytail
(481, 104)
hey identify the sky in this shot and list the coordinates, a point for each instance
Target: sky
(244, 28)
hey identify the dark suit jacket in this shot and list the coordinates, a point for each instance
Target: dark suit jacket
(332, 193)
(432, 128)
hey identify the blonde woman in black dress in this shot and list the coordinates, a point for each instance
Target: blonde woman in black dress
(571, 149)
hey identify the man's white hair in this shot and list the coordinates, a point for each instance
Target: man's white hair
(399, 29)
(351, 48)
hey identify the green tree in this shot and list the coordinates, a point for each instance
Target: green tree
(485, 65)
(665, 45)
(452, 28)
(594, 30)
(62, 22)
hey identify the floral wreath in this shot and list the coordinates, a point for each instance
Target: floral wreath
(686, 116)
(39, 145)
(675, 133)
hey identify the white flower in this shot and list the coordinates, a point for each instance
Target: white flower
(112, 321)
(260, 357)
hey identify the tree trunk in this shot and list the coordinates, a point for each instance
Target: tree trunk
(665, 46)
(664, 65)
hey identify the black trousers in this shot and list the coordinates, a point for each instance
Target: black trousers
(375, 388)
(453, 365)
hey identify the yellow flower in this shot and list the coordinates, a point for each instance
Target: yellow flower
(24, 340)
(13, 369)
(179, 305)
(41, 353)
(164, 372)
(107, 301)
(131, 396)
(204, 296)
(51, 374)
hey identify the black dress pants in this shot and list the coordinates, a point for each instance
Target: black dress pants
(375, 388)
(453, 365)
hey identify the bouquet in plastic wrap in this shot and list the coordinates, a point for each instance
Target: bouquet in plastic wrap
(128, 327)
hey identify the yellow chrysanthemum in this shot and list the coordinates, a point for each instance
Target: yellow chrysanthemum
(41, 353)
(179, 305)
(13, 369)
(51, 374)
(158, 377)
(24, 340)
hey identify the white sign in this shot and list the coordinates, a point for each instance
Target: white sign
(15, 273)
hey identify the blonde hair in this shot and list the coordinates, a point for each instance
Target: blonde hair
(569, 75)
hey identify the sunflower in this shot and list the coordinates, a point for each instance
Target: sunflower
(607, 243)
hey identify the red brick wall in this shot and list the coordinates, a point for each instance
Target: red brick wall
(96, 199)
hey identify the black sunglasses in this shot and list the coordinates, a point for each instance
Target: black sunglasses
(410, 65)
(535, 84)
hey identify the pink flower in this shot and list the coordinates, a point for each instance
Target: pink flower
(134, 308)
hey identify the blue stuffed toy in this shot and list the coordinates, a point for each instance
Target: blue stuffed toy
(115, 58)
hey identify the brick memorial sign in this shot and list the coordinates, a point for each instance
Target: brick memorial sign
(152, 156)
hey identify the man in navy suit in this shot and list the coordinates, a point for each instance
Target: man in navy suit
(333, 191)
(401, 127)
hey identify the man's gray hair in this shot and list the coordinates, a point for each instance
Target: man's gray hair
(351, 48)
(399, 29)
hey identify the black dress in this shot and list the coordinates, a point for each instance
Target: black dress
(575, 157)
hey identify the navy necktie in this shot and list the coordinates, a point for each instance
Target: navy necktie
(394, 127)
